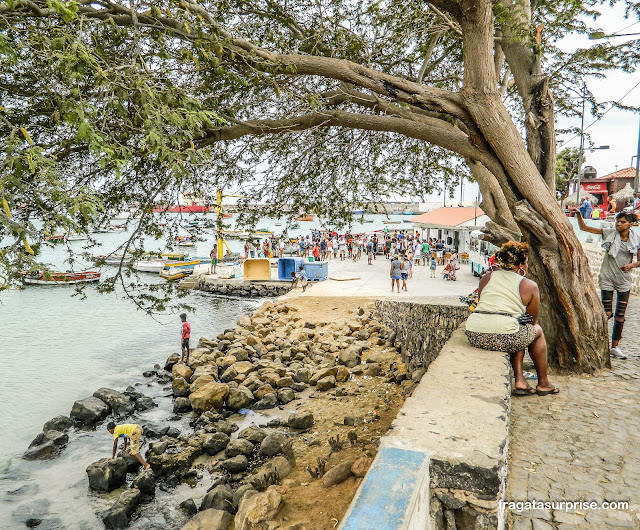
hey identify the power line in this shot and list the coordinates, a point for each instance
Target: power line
(603, 115)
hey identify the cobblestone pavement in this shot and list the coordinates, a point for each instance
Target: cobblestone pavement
(583, 444)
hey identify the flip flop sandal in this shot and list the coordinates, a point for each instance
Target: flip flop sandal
(524, 391)
(555, 390)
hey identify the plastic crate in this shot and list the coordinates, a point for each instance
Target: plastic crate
(288, 265)
(317, 271)
(257, 269)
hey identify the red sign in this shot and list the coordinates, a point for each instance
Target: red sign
(600, 186)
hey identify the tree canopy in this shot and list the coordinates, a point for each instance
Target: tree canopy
(322, 105)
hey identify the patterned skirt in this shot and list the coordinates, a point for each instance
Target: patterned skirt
(507, 342)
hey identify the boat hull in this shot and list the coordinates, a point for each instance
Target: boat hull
(63, 278)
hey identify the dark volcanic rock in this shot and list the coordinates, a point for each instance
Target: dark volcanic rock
(145, 403)
(253, 434)
(182, 404)
(214, 443)
(43, 451)
(120, 403)
(119, 514)
(237, 464)
(189, 507)
(219, 498)
(59, 423)
(173, 359)
(89, 411)
(272, 444)
(107, 474)
(337, 474)
(239, 447)
(145, 482)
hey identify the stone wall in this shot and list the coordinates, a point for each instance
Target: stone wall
(595, 255)
(242, 288)
(421, 329)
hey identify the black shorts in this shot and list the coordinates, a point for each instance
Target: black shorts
(185, 343)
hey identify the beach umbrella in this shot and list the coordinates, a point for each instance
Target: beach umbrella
(571, 200)
(624, 195)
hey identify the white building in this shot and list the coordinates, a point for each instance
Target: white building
(450, 224)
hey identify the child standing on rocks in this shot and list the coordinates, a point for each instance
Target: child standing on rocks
(185, 334)
(131, 431)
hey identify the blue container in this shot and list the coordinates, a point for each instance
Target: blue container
(317, 271)
(286, 266)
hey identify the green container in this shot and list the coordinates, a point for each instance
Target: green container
(310, 258)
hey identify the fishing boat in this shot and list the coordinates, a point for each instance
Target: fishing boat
(149, 265)
(184, 241)
(174, 270)
(309, 217)
(367, 220)
(175, 274)
(294, 227)
(76, 237)
(359, 212)
(56, 238)
(60, 278)
(389, 222)
(190, 204)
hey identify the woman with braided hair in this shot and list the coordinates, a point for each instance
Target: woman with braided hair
(622, 253)
(505, 317)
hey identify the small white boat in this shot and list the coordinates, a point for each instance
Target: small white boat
(77, 237)
(149, 265)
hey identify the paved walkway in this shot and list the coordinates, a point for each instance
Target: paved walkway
(583, 444)
(374, 280)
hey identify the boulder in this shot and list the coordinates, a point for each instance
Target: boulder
(255, 510)
(132, 393)
(120, 403)
(119, 514)
(214, 443)
(181, 370)
(171, 361)
(322, 373)
(59, 423)
(349, 357)
(237, 464)
(145, 403)
(43, 451)
(210, 519)
(284, 382)
(326, 383)
(219, 498)
(201, 381)
(299, 387)
(263, 390)
(244, 367)
(343, 374)
(239, 446)
(89, 411)
(239, 398)
(180, 387)
(189, 507)
(300, 420)
(361, 466)
(302, 375)
(272, 444)
(107, 474)
(286, 395)
(225, 426)
(254, 434)
(181, 404)
(145, 482)
(228, 375)
(267, 402)
(210, 396)
(337, 474)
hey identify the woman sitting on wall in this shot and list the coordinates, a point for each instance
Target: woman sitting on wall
(506, 315)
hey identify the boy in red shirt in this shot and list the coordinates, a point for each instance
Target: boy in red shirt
(185, 334)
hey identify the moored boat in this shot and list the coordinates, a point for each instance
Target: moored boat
(309, 217)
(60, 278)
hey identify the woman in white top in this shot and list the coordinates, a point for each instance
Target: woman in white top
(504, 295)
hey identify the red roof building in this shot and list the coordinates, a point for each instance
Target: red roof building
(606, 185)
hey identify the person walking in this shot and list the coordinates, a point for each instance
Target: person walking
(622, 253)
(396, 273)
(185, 335)
(506, 317)
(370, 247)
(426, 252)
(586, 208)
(404, 271)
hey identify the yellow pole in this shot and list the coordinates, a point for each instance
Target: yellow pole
(219, 223)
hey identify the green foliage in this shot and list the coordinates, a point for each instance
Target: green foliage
(567, 165)
(102, 110)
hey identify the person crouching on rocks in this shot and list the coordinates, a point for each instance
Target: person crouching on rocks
(129, 431)
(506, 315)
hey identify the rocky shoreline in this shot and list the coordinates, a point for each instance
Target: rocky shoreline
(313, 380)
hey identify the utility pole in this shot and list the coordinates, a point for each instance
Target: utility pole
(461, 182)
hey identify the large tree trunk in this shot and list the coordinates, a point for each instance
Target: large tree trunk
(571, 312)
